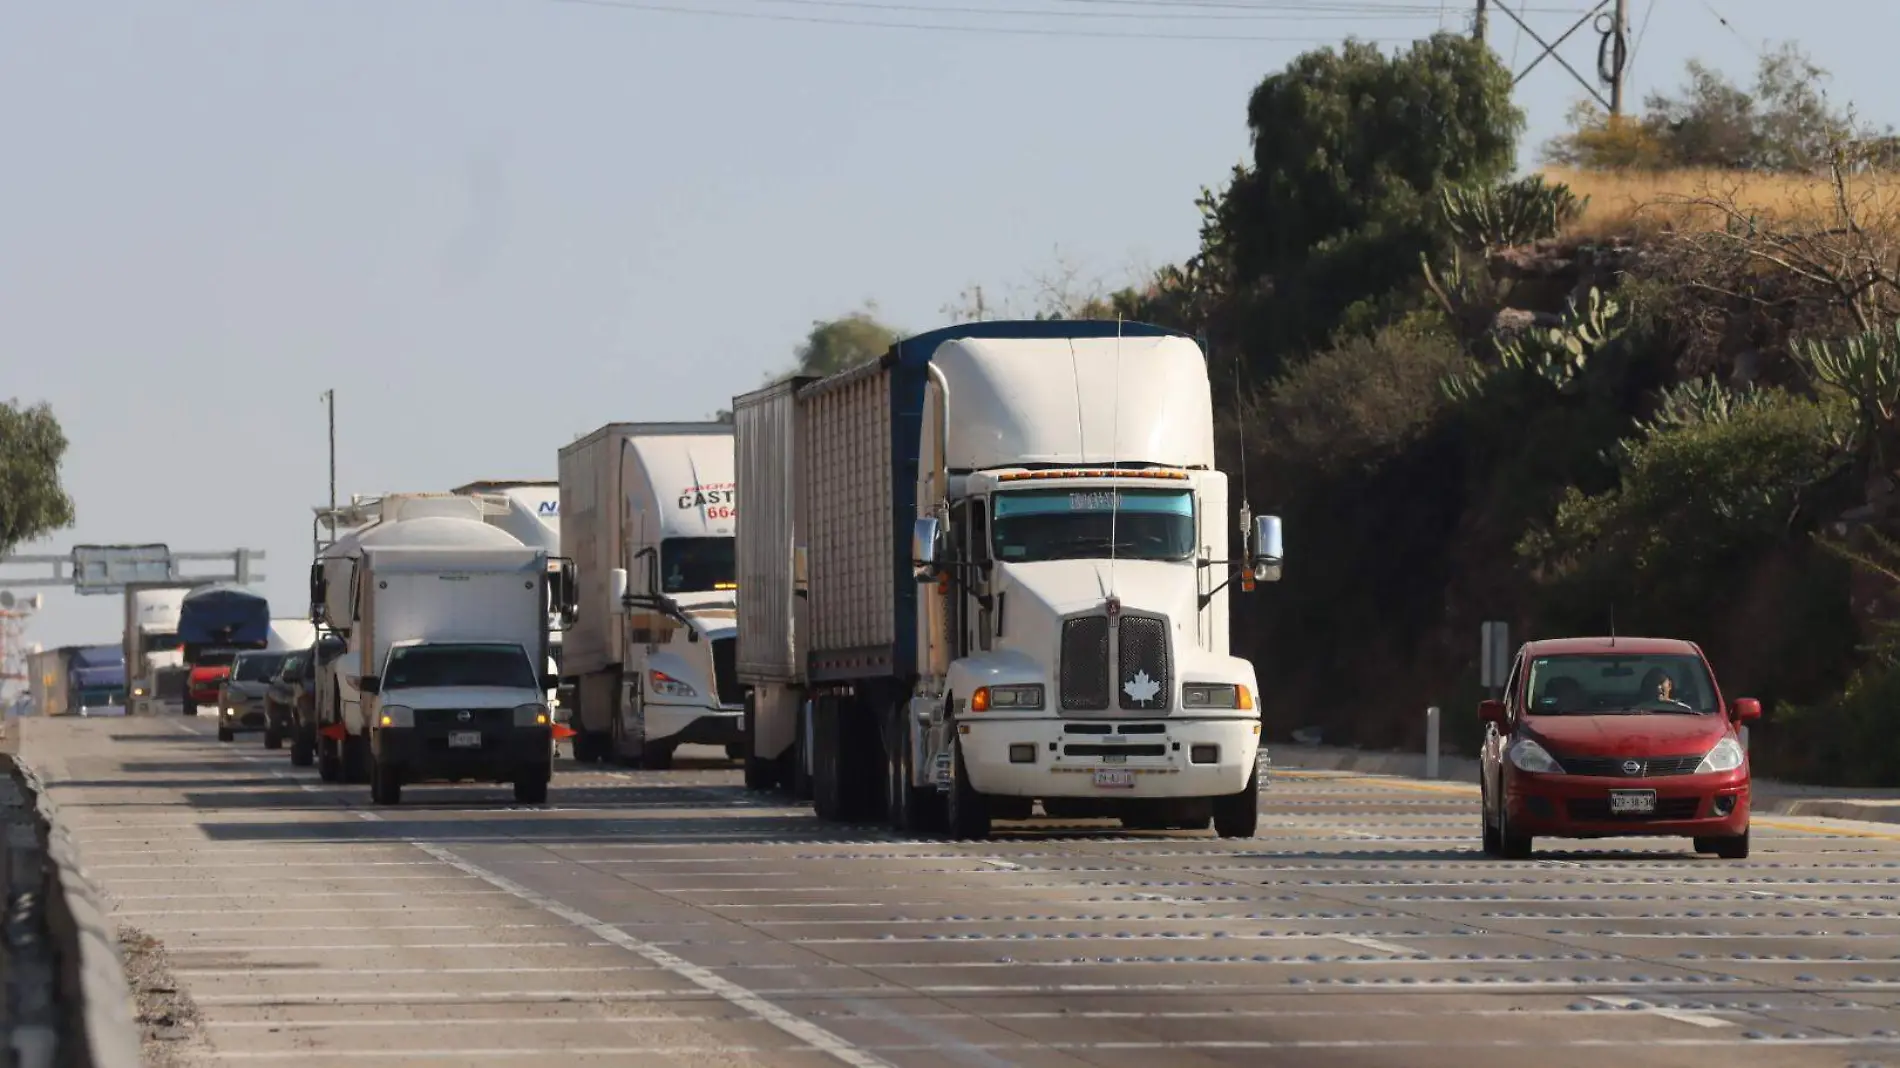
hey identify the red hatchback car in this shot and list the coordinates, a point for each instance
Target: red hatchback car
(1615, 737)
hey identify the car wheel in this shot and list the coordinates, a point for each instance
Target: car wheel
(1734, 848)
(1511, 846)
(226, 734)
(1493, 842)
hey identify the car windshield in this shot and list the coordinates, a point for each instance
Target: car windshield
(697, 565)
(415, 666)
(1090, 523)
(292, 665)
(1602, 684)
(256, 667)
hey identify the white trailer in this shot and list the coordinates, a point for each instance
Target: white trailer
(1012, 541)
(444, 620)
(530, 509)
(155, 672)
(650, 514)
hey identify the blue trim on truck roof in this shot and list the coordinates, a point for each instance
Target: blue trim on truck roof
(908, 361)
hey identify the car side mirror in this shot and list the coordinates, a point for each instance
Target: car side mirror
(1268, 555)
(926, 548)
(1491, 712)
(1747, 709)
(370, 684)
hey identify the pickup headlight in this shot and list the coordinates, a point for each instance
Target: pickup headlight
(1024, 698)
(1726, 756)
(397, 716)
(1527, 755)
(1215, 695)
(531, 715)
(662, 683)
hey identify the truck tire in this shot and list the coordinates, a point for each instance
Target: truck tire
(968, 815)
(532, 791)
(827, 783)
(1238, 815)
(329, 762)
(657, 756)
(302, 752)
(910, 809)
(760, 775)
(273, 739)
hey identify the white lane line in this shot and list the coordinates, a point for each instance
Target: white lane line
(356, 947)
(810, 1033)
(1374, 945)
(1678, 1015)
(1003, 864)
(302, 910)
(511, 970)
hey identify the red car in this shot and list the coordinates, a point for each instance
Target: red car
(1615, 737)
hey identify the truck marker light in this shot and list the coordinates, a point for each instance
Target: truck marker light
(1246, 696)
(980, 700)
(386, 720)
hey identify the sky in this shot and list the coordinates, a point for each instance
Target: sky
(493, 225)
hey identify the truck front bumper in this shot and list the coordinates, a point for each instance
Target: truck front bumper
(1109, 759)
(694, 724)
(509, 754)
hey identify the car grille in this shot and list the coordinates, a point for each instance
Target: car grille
(725, 671)
(1143, 662)
(479, 719)
(1597, 809)
(1084, 670)
(1612, 767)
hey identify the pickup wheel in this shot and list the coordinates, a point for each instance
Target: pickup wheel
(969, 812)
(385, 783)
(356, 758)
(1238, 815)
(226, 734)
(531, 791)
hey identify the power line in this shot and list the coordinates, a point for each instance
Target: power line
(820, 20)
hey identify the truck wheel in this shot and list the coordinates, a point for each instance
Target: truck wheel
(760, 775)
(531, 791)
(385, 783)
(1238, 815)
(904, 804)
(656, 756)
(226, 734)
(272, 739)
(969, 811)
(827, 784)
(302, 753)
(329, 763)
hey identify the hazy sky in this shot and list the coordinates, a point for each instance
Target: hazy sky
(492, 225)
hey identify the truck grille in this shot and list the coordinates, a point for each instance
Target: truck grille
(1143, 668)
(1084, 669)
(725, 652)
(170, 683)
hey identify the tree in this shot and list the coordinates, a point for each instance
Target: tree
(836, 344)
(32, 503)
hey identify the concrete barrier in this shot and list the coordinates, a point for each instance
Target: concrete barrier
(92, 1022)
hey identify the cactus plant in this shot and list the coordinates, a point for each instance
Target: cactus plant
(1514, 213)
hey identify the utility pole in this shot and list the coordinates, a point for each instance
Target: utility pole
(1619, 38)
(1479, 23)
(329, 398)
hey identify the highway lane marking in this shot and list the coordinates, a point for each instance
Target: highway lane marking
(1679, 1015)
(817, 1037)
(1372, 944)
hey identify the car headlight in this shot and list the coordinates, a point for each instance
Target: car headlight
(1027, 697)
(1215, 695)
(1726, 756)
(1527, 755)
(397, 716)
(531, 715)
(667, 685)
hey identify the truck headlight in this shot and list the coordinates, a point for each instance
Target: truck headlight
(1527, 755)
(138, 691)
(1215, 695)
(1027, 698)
(531, 715)
(397, 716)
(1726, 756)
(667, 685)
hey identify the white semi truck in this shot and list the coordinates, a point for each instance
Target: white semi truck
(445, 624)
(650, 512)
(154, 655)
(530, 509)
(1011, 543)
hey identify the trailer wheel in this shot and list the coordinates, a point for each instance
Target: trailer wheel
(1238, 815)
(969, 811)
(760, 775)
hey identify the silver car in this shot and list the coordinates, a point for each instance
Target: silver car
(241, 698)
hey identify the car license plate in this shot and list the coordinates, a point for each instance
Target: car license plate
(465, 739)
(1632, 802)
(1114, 777)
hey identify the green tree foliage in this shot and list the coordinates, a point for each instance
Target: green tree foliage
(1785, 122)
(835, 344)
(32, 503)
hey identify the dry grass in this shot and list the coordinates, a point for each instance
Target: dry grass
(1638, 203)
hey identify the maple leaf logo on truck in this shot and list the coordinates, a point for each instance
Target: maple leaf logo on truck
(1141, 689)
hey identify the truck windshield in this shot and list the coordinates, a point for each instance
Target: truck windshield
(161, 643)
(415, 666)
(256, 667)
(697, 565)
(1079, 524)
(1592, 685)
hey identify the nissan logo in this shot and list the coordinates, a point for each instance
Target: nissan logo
(464, 715)
(1632, 767)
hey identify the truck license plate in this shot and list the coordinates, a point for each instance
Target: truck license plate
(465, 739)
(1632, 802)
(1114, 777)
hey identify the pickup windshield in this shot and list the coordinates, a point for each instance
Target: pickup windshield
(1597, 685)
(697, 565)
(415, 666)
(256, 667)
(1090, 523)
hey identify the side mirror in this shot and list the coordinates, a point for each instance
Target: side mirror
(370, 684)
(926, 548)
(318, 592)
(1491, 712)
(1747, 709)
(1268, 552)
(616, 590)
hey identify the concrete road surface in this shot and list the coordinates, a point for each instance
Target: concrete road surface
(646, 918)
